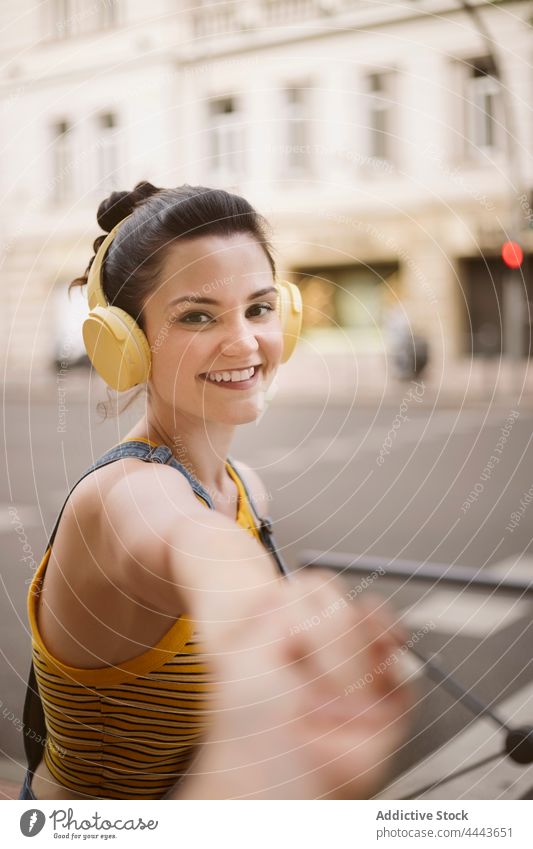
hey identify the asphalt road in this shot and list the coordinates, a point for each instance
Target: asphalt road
(402, 480)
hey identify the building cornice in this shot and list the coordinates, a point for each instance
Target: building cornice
(327, 26)
(188, 52)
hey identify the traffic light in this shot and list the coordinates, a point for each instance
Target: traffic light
(512, 254)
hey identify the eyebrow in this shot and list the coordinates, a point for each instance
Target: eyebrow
(201, 299)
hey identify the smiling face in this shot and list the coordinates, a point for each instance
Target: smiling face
(213, 317)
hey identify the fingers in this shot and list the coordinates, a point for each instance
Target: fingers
(309, 684)
(334, 636)
(386, 645)
(342, 647)
(347, 648)
(323, 632)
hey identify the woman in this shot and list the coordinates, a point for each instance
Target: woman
(156, 621)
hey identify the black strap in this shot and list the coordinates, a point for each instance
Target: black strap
(33, 723)
(267, 538)
(33, 713)
(264, 526)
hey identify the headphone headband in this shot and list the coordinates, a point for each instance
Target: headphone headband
(95, 291)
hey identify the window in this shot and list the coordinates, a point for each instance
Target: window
(225, 139)
(221, 18)
(284, 11)
(107, 10)
(63, 163)
(350, 298)
(108, 153)
(491, 328)
(63, 14)
(379, 115)
(297, 148)
(74, 17)
(483, 106)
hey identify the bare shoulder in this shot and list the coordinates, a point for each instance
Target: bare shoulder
(136, 481)
(101, 597)
(116, 503)
(120, 515)
(257, 489)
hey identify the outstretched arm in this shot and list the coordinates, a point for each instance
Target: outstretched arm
(303, 713)
(288, 722)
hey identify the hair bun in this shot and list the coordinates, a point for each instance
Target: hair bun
(118, 205)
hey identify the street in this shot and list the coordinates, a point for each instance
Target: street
(403, 480)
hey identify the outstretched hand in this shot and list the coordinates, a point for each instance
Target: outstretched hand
(311, 698)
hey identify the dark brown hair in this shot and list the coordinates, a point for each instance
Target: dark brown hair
(161, 216)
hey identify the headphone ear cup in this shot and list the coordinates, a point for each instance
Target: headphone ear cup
(290, 311)
(117, 347)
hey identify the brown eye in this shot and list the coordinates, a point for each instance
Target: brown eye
(267, 307)
(192, 318)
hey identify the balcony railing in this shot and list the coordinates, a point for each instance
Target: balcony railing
(219, 18)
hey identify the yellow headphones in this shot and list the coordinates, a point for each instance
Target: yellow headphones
(118, 348)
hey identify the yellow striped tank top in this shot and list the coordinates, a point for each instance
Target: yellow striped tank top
(128, 731)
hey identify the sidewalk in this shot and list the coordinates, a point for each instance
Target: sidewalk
(11, 778)
(498, 779)
(9, 789)
(368, 380)
(330, 378)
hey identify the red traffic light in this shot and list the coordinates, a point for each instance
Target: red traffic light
(512, 254)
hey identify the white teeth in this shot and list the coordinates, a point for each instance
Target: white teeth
(231, 376)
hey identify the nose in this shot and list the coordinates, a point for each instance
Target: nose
(239, 341)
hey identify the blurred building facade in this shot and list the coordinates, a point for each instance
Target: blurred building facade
(373, 136)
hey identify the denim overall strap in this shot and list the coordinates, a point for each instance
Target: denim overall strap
(151, 454)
